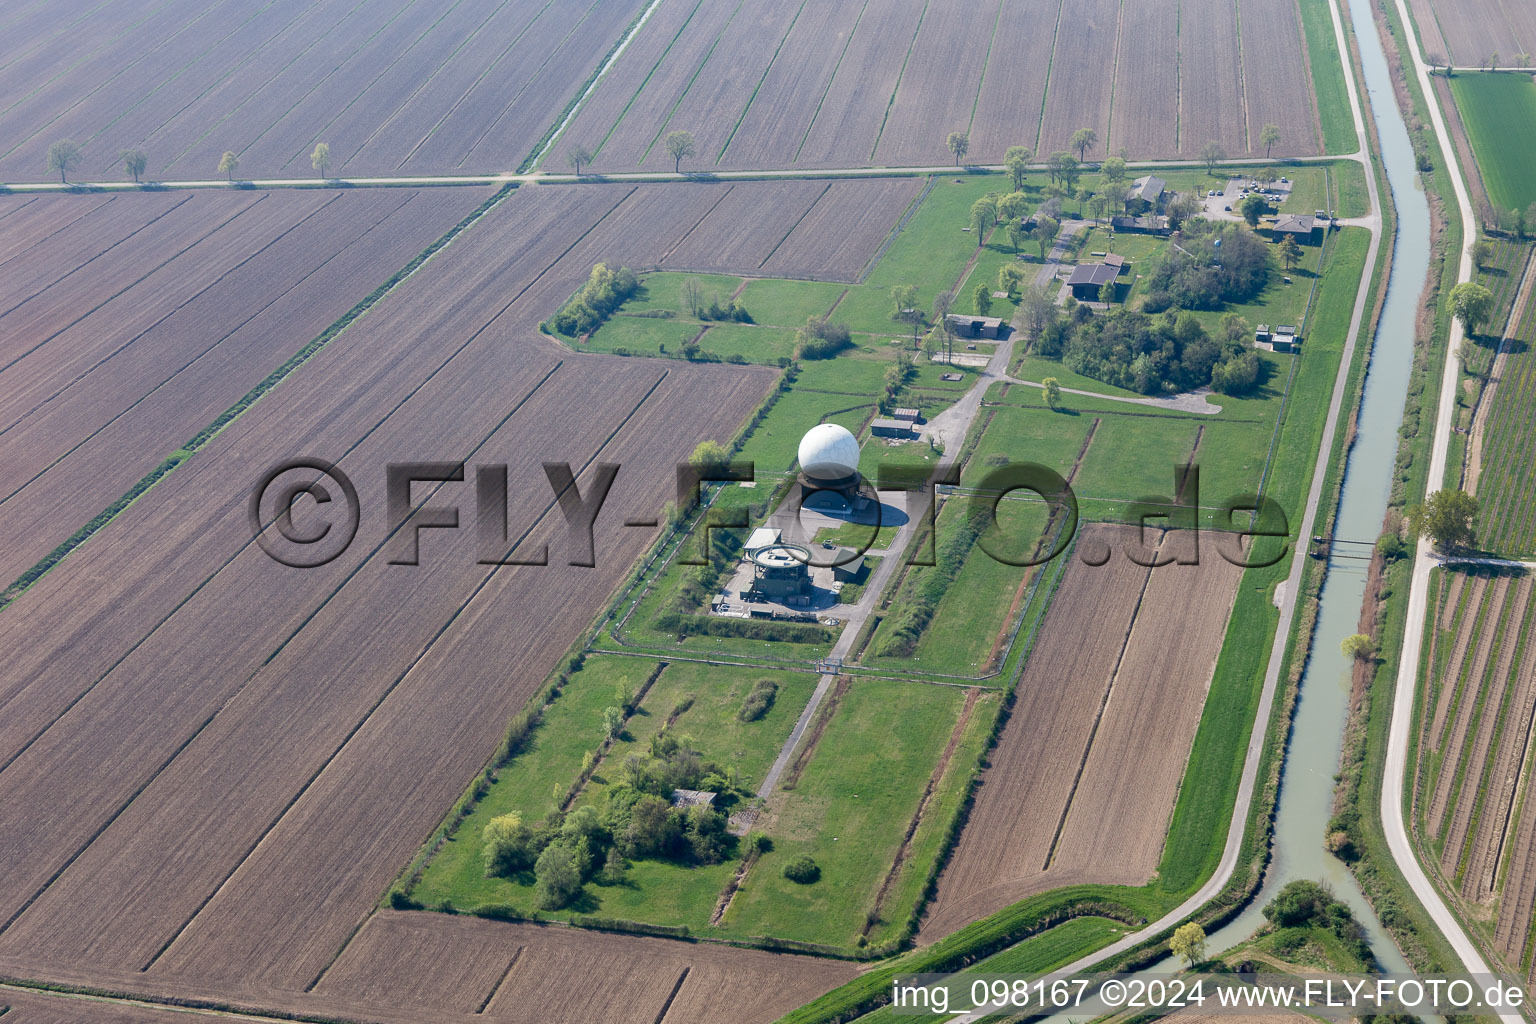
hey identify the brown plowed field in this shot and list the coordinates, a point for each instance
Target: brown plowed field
(186, 81)
(248, 799)
(1139, 122)
(1482, 825)
(1272, 56)
(168, 334)
(1211, 84)
(1083, 75)
(1473, 29)
(1013, 91)
(1095, 709)
(722, 240)
(940, 82)
(837, 237)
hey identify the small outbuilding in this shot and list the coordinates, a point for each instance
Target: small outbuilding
(910, 415)
(891, 428)
(975, 326)
(1145, 225)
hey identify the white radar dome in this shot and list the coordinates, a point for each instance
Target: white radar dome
(829, 452)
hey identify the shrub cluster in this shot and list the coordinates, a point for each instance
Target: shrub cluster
(605, 291)
(1305, 903)
(635, 820)
(820, 338)
(1213, 264)
(802, 870)
(759, 700)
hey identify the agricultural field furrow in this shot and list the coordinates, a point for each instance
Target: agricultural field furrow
(1483, 731)
(1475, 29)
(1013, 89)
(43, 94)
(364, 373)
(1154, 707)
(1276, 90)
(634, 139)
(1082, 76)
(623, 83)
(776, 120)
(1468, 608)
(719, 242)
(212, 362)
(359, 94)
(1036, 762)
(1210, 79)
(277, 711)
(77, 245)
(384, 789)
(848, 122)
(1503, 774)
(715, 100)
(221, 32)
(34, 219)
(1427, 24)
(245, 107)
(940, 83)
(395, 133)
(1149, 91)
(1512, 933)
(837, 238)
(1464, 698)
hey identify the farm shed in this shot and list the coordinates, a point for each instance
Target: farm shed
(1147, 225)
(1088, 280)
(1301, 226)
(890, 428)
(1279, 339)
(914, 415)
(975, 326)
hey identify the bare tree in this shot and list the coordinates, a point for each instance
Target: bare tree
(63, 157)
(942, 304)
(134, 162)
(679, 145)
(578, 155)
(1036, 312)
(1213, 153)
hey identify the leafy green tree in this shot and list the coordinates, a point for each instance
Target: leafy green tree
(802, 870)
(1051, 392)
(1012, 206)
(1063, 169)
(1252, 208)
(1083, 140)
(982, 297)
(710, 457)
(983, 217)
(228, 164)
(680, 145)
(1472, 304)
(959, 144)
(1481, 251)
(1290, 253)
(1269, 135)
(1358, 646)
(1010, 277)
(134, 162)
(508, 846)
(904, 296)
(1046, 229)
(577, 156)
(556, 877)
(613, 722)
(1113, 170)
(1017, 161)
(63, 157)
(320, 159)
(1446, 517)
(1189, 942)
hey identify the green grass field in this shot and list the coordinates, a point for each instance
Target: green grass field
(1328, 78)
(1499, 111)
(653, 891)
(848, 812)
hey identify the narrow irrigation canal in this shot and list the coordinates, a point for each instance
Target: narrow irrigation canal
(1306, 794)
